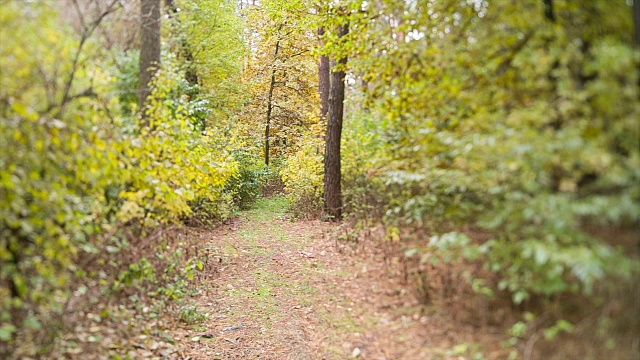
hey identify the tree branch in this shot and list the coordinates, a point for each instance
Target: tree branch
(86, 33)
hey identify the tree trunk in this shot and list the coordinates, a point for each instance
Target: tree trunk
(332, 175)
(272, 85)
(549, 13)
(267, 127)
(149, 48)
(324, 79)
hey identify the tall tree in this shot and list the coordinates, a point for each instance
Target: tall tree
(332, 173)
(280, 74)
(149, 46)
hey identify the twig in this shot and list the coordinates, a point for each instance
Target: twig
(528, 350)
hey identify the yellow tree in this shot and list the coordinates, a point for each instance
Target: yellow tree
(280, 73)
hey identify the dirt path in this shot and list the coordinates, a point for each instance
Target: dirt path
(283, 290)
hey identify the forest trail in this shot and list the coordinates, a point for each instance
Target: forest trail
(287, 290)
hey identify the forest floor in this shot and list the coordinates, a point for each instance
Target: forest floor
(274, 288)
(286, 289)
(271, 287)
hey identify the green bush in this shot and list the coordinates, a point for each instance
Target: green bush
(364, 193)
(302, 175)
(246, 186)
(526, 128)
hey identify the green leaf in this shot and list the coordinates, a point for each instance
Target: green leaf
(6, 331)
(520, 296)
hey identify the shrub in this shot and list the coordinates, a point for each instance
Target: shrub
(80, 170)
(302, 175)
(246, 186)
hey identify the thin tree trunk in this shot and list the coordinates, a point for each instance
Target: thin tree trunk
(324, 79)
(149, 48)
(267, 127)
(549, 13)
(272, 85)
(332, 172)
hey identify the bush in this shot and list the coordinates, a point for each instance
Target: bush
(80, 170)
(527, 130)
(364, 192)
(302, 175)
(246, 186)
(54, 186)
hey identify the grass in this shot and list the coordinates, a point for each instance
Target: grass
(265, 297)
(266, 307)
(267, 209)
(264, 213)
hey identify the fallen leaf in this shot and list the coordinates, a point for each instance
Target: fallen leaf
(356, 353)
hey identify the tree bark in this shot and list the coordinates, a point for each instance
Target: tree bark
(324, 79)
(332, 173)
(149, 48)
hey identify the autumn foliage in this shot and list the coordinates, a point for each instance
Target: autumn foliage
(491, 144)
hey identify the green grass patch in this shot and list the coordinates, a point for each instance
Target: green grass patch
(267, 209)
